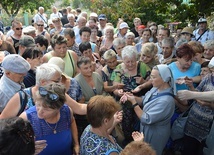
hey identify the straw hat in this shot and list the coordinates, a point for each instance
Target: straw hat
(187, 30)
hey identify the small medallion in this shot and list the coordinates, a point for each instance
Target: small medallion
(54, 131)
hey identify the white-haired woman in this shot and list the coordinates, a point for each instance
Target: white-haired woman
(131, 73)
(157, 108)
(107, 41)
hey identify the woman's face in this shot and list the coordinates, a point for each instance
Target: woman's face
(60, 50)
(197, 57)
(109, 33)
(156, 78)
(145, 36)
(208, 52)
(45, 112)
(35, 62)
(112, 62)
(70, 41)
(86, 69)
(184, 63)
(153, 29)
(129, 40)
(130, 63)
(146, 58)
(119, 48)
(186, 36)
(94, 32)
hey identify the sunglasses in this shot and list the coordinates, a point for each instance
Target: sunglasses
(39, 25)
(19, 28)
(50, 96)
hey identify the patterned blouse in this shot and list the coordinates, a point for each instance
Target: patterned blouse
(93, 144)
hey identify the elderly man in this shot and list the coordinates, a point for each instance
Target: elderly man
(41, 16)
(203, 34)
(15, 68)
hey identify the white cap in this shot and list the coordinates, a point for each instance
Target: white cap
(211, 63)
(202, 20)
(29, 29)
(93, 14)
(123, 25)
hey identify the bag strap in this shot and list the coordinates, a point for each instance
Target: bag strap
(43, 19)
(23, 101)
(201, 35)
(71, 61)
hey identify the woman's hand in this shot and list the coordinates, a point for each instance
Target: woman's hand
(137, 136)
(128, 96)
(118, 116)
(40, 145)
(76, 150)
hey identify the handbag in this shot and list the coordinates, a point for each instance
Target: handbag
(177, 130)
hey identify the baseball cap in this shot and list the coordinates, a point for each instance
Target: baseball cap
(141, 27)
(123, 25)
(102, 17)
(29, 29)
(15, 63)
(27, 41)
(202, 20)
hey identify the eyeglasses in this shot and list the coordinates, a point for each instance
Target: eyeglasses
(50, 95)
(55, 21)
(39, 25)
(19, 28)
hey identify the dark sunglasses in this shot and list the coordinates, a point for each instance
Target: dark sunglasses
(39, 25)
(51, 96)
(19, 28)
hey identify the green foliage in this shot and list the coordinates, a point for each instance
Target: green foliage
(12, 7)
(65, 3)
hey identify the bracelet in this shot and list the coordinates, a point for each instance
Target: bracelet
(134, 105)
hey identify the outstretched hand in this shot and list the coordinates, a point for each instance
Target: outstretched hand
(137, 136)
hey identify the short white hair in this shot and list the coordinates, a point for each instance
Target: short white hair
(129, 52)
(41, 8)
(46, 71)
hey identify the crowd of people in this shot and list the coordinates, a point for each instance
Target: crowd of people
(74, 83)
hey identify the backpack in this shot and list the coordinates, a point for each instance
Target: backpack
(23, 101)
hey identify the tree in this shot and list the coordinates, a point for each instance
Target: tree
(12, 7)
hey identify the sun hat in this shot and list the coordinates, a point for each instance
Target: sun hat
(188, 30)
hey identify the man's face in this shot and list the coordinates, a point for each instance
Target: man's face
(161, 35)
(17, 29)
(202, 26)
(167, 50)
(16, 77)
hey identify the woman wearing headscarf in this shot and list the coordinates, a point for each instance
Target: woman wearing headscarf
(157, 108)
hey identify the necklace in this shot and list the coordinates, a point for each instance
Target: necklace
(53, 129)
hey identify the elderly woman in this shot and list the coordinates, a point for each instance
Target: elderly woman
(199, 50)
(157, 108)
(93, 37)
(91, 84)
(130, 38)
(118, 45)
(52, 120)
(130, 73)
(59, 45)
(110, 58)
(208, 49)
(107, 41)
(96, 138)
